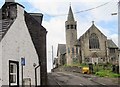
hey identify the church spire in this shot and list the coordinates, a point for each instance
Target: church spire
(70, 15)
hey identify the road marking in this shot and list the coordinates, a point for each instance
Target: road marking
(81, 84)
(102, 83)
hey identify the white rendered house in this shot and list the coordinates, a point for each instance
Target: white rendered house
(19, 52)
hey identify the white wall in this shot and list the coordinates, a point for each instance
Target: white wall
(0, 65)
(17, 43)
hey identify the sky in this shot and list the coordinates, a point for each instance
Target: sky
(55, 14)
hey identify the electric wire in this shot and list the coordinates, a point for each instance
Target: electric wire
(84, 10)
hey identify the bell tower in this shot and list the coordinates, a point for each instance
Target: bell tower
(71, 37)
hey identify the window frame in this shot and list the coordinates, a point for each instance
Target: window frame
(16, 64)
(94, 41)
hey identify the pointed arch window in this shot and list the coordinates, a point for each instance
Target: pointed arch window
(94, 42)
(71, 26)
(67, 27)
(73, 50)
(68, 50)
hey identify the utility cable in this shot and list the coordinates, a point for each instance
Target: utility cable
(85, 10)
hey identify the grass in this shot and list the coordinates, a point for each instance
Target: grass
(98, 69)
(107, 73)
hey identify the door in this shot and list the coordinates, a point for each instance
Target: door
(13, 73)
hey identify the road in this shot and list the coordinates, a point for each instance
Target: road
(72, 80)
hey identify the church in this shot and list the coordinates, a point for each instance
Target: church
(92, 47)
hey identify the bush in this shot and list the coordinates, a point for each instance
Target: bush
(107, 73)
(101, 74)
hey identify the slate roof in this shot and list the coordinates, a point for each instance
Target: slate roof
(6, 22)
(111, 44)
(61, 49)
(4, 26)
(37, 32)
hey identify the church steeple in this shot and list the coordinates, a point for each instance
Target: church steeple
(70, 15)
(71, 37)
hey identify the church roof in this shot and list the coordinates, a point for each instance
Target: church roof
(61, 49)
(111, 44)
(70, 15)
(77, 43)
(92, 28)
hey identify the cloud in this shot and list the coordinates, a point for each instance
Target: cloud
(55, 35)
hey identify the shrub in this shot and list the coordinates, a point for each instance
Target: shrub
(107, 73)
(101, 74)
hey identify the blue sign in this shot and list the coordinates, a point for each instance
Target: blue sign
(23, 61)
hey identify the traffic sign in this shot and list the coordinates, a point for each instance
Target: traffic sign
(23, 61)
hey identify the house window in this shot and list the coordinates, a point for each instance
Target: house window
(13, 73)
(94, 42)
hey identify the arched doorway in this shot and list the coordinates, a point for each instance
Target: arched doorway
(94, 58)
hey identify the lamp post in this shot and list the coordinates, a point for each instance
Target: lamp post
(118, 30)
(22, 64)
(52, 58)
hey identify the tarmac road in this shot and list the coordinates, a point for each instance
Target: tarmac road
(65, 79)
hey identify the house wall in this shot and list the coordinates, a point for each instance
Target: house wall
(0, 65)
(59, 58)
(16, 44)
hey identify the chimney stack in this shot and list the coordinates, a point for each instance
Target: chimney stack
(9, 0)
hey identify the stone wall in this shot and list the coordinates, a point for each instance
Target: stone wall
(68, 69)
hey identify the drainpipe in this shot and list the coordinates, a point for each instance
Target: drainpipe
(36, 75)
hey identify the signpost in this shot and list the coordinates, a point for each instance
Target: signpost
(22, 64)
(23, 61)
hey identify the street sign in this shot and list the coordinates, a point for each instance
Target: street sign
(23, 61)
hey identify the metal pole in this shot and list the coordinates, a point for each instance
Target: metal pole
(22, 74)
(52, 58)
(119, 31)
(35, 78)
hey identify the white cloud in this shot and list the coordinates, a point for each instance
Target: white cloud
(56, 25)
